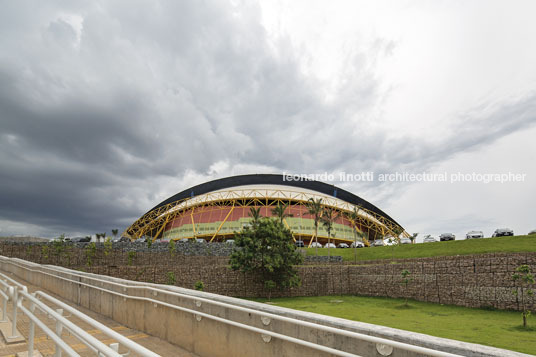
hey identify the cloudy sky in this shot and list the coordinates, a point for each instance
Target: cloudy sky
(109, 107)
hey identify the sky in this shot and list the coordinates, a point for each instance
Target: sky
(108, 108)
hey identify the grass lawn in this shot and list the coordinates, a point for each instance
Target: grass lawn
(495, 328)
(419, 250)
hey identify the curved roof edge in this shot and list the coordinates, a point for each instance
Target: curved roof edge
(273, 179)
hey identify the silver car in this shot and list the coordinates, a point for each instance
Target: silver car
(405, 241)
(503, 232)
(474, 234)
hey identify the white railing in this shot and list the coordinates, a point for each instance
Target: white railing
(55, 271)
(11, 290)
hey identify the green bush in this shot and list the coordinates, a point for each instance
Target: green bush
(91, 251)
(170, 278)
(131, 256)
(199, 285)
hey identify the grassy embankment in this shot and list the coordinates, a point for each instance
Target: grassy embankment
(502, 329)
(458, 247)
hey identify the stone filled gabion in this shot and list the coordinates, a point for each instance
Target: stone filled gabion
(181, 248)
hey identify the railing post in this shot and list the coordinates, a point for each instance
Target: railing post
(14, 318)
(31, 334)
(59, 329)
(4, 309)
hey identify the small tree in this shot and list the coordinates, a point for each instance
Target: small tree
(329, 216)
(406, 279)
(172, 247)
(115, 232)
(265, 248)
(59, 245)
(255, 214)
(280, 211)
(523, 278)
(413, 238)
(353, 216)
(315, 208)
(107, 246)
(91, 251)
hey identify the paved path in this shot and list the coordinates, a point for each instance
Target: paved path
(46, 346)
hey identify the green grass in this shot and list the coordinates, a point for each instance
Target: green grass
(497, 328)
(457, 247)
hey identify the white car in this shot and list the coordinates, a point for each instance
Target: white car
(330, 245)
(316, 245)
(357, 244)
(378, 243)
(405, 241)
(474, 234)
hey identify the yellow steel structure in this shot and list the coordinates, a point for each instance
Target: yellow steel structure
(153, 222)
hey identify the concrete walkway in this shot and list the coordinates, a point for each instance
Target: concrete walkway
(46, 346)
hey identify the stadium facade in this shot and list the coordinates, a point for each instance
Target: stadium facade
(214, 210)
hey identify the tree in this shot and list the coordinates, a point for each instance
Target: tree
(279, 211)
(265, 248)
(523, 277)
(353, 217)
(255, 214)
(413, 238)
(115, 232)
(315, 208)
(406, 279)
(329, 216)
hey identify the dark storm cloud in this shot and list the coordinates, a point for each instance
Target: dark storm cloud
(101, 103)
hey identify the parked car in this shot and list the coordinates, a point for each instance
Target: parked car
(358, 244)
(378, 243)
(200, 240)
(329, 245)
(446, 236)
(532, 232)
(429, 239)
(405, 241)
(503, 232)
(184, 240)
(300, 244)
(316, 245)
(343, 245)
(474, 234)
(229, 241)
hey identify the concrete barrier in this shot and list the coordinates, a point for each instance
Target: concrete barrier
(215, 325)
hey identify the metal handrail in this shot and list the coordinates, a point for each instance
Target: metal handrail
(19, 292)
(368, 338)
(75, 330)
(133, 346)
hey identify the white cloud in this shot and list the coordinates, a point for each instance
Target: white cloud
(109, 108)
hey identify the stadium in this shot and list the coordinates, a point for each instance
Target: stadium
(214, 210)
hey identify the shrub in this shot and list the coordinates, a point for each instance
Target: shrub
(170, 278)
(131, 256)
(199, 285)
(91, 251)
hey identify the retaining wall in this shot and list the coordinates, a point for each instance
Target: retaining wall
(472, 281)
